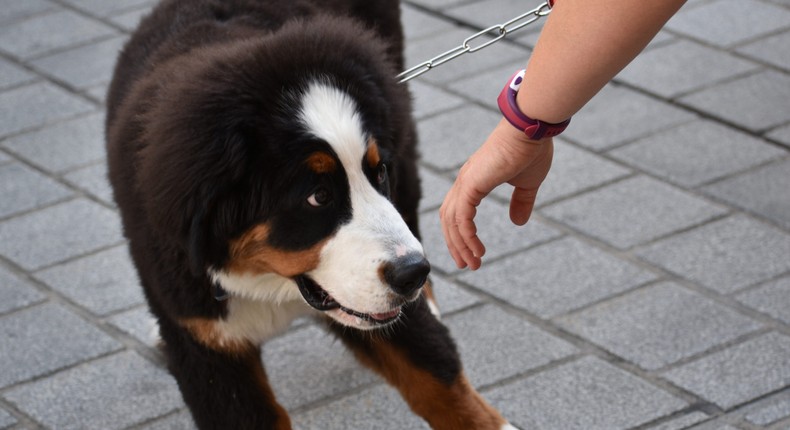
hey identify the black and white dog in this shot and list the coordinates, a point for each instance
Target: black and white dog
(262, 156)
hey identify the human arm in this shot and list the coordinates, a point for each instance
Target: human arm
(583, 45)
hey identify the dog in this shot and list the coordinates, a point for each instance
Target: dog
(262, 156)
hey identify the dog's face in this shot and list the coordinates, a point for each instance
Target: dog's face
(276, 180)
(338, 235)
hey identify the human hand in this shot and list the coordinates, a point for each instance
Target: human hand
(506, 156)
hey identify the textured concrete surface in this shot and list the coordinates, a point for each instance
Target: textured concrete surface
(649, 291)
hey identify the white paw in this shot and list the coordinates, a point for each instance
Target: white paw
(508, 426)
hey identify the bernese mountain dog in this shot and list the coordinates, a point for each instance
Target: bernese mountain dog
(262, 156)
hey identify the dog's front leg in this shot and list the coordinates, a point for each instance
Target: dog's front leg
(418, 357)
(224, 384)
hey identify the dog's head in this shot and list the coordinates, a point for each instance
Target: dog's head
(277, 159)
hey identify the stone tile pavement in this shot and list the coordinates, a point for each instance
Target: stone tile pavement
(650, 291)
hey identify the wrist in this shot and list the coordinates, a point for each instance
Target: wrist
(510, 102)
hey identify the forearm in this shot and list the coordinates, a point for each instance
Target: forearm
(583, 45)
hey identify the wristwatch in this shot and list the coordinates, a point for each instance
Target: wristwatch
(533, 128)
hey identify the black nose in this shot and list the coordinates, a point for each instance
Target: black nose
(407, 274)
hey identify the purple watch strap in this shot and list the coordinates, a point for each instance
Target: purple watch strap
(533, 128)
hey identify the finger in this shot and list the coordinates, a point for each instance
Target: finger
(521, 204)
(454, 253)
(467, 229)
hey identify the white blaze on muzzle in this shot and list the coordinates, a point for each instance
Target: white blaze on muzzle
(351, 262)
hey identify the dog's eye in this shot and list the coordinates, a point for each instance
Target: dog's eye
(321, 197)
(383, 179)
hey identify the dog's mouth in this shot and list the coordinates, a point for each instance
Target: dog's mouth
(321, 300)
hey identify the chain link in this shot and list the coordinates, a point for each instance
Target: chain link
(498, 32)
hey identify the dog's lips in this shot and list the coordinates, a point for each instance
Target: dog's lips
(321, 300)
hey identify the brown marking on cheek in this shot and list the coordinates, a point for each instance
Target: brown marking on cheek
(209, 332)
(372, 155)
(444, 407)
(251, 253)
(321, 162)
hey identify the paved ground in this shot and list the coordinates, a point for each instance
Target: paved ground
(652, 289)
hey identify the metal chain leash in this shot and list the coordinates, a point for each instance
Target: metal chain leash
(499, 32)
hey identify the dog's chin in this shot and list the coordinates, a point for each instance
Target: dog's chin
(319, 299)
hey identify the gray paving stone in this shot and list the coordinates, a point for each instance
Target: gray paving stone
(129, 20)
(659, 325)
(763, 191)
(758, 102)
(772, 298)
(45, 338)
(633, 211)
(434, 188)
(138, 323)
(22, 189)
(498, 234)
(179, 421)
(105, 8)
(60, 232)
(63, 146)
(681, 422)
(4, 158)
(558, 277)
(103, 283)
(587, 394)
(738, 374)
(782, 134)
(717, 424)
(16, 292)
(85, 66)
(377, 408)
(680, 67)
(617, 115)
(726, 255)
(93, 180)
(47, 32)
(773, 50)
(111, 393)
(36, 104)
(449, 296)
(450, 138)
(574, 170)
(495, 345)
(486, 13)
(430, 100)
(418, 24)
(12, 75)
(309, 364)
(484, 87)
(6, 419)
(15, 9)
(724, 24)
(698, 152)
(439, 4)
(770, 410)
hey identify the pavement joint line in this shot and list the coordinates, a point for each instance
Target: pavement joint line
(88, 14)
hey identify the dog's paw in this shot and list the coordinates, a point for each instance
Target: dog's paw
(509, 426)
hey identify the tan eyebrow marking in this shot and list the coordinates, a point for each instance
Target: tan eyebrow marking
(372, 156)
(321, 162)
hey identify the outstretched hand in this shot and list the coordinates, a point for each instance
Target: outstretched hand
(506, 156)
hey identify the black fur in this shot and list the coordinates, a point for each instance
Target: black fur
(203, 144)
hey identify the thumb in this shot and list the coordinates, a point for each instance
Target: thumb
(521, 203)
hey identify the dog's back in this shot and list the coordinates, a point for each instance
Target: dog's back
(176, 26)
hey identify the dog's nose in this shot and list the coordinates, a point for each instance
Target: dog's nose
(407, 274)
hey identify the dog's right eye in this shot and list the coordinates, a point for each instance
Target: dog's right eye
(321, 197)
